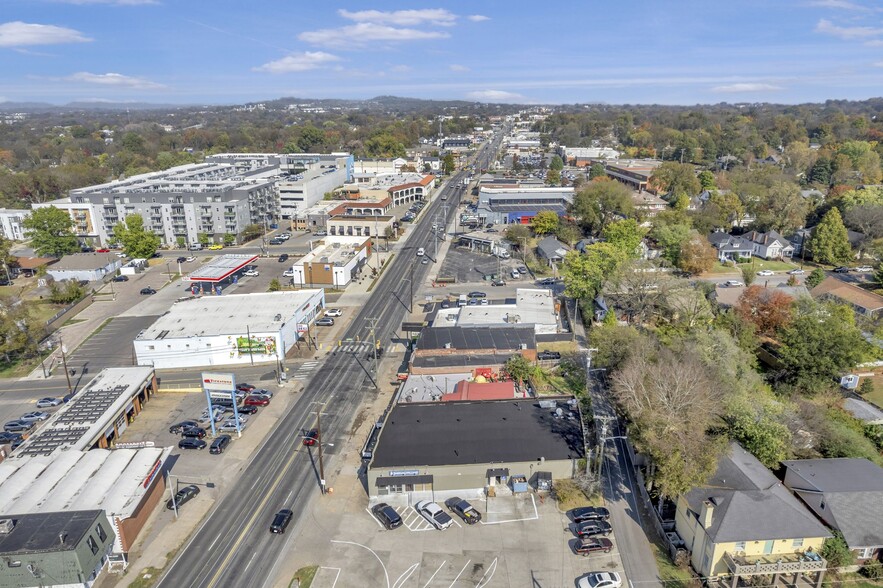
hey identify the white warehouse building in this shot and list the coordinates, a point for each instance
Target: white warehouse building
(229, 330)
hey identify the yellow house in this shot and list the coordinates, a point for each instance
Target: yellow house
(744, 522)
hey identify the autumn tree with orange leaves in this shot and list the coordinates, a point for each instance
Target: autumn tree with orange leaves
(768, 308)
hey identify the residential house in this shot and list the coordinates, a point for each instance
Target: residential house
(862, 301)
(726, 162)
(90, 267)
(847, 494)
(802, 236)
(552, 250)
(730, 247)
(744, 523)
(648, 204)
(770, 245)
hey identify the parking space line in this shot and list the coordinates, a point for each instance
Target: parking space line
(336, 577)
(373, 517)
(434, 573)
(491, 570)
(460, 574)
(536, 515)
(405, 575)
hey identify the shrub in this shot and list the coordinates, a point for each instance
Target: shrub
(873, 570)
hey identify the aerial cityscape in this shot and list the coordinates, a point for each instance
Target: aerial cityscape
(473, 295)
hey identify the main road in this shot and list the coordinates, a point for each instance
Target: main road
(233, 547)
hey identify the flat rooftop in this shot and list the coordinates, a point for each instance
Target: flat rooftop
(40, 532)
(430, 388)
(89, 413)
(334, 250)
(493, 431)
(221, 267)
(231, 314)
(461, 360)
(532, 307)
(505, 337)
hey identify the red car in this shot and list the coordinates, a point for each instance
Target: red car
(589, 545)
(311, 438)
(102, 251)
(256, 401)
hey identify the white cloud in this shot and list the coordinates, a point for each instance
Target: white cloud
(876, 43)
(746, 87)
(841, 4)
(114, 79)
(299, 62)
(495, 96)
(365, 33)
(878, 64)
(402, 18)
(478, 17)
(826, 27)
(458, 67)
(20, 34)
(113, 2)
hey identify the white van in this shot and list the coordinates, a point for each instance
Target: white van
(196, 247)
(420, 252)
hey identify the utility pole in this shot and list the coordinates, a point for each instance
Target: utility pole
(250, 352)
(319, 439)
(67, 374)
(602, 442)
(373, 321)
(169, 271)
(411, 299)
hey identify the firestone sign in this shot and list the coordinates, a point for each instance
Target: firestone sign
(219, 382)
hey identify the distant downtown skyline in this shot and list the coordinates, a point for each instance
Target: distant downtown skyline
(221, 52)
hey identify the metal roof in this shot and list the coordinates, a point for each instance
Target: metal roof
(221, 267)
(42, 532)
(500, 337)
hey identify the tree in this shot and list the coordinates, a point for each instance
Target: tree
(544, 222)
(754, 421)
(697, 255)
(636, 290)
(250, 232)
(65, 291)
(136, 241)
(553, 177)
(51, 232)
(568, 232)
(20, 331)
(229, 239)
(829, 242)
(706, 180)
(676, 179)
(181, 241)
(600, 202)
(767, 308)
(597, 171)
(671, 229)
(274, 286)
(518, 368)
(815, 278)
(585, 273)
(203, 238)
(557, 164)
(819, 345)
(517, 234)
(448, 165)
(836, 551)
(626, 235)
(748, 275)
(780, 208)
(384, 145)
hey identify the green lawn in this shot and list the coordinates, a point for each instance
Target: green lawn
(305, 576)
(877, 395)
(671, 575)
(757, 265)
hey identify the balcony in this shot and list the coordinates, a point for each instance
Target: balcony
(778, 563)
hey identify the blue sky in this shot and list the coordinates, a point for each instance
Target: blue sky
(626, 51)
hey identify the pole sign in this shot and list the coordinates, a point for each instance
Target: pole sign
(219, 386)
(218, 382)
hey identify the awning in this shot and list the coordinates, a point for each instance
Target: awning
(402, 480)
(497, 472)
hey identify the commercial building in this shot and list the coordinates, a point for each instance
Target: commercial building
(520, 204)
(456, 143)
(411, 191)
(532, 307)
(11, 223)
(478, 384)
(374, 167)
(53, 548)
(586, 156)
(634, 173)
(309, 177)
(476, 448)
(334, 263)
(448, 349)
(212, 277)
(228, 330)
(401, 188)
(90, 267)
(360, 225)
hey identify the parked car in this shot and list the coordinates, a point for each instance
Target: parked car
(256, 401)
(280, 521)
(311, 438)
(193, 432)
(325, 322)
(600, 580)
(841, 270)
(35, 416)
(215, 247)
(590, 545)
(120, 278)
(592, 528)
(321, 233)
(433, 513)
(178, 427)
(733, 284)
(182, 496)
(48, 402)
(189, 258)
(18, 426)
(252, 273)
(498, 282)
(231, 426)
(387, 516)
(547, 282)
(796, 272)
(285, 236)
(333, 312)
(289, 273)
(191, 443)
(219, 445)
(515, 274)
(182, 260)
(863, 269)
(247, 409)
(548, 355)
(463, 509)
(147, 291)
(6, 437)
(477, 295)
(589, 513)
(522, 269)
(765, 273)
(245, 387)
(283, 258)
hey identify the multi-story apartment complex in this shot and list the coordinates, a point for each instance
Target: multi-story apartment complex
(10, 223)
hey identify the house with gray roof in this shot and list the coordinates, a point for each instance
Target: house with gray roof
(847, 494)
(730, 247)
(770, 245)
(89, 267)
(552, 250)
(743, 522)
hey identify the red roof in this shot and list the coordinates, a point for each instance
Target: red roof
(405, 187)
(427, 180)
(481, 391)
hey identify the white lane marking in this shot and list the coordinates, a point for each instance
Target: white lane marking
(385, 573)
(491, 570)
(460, 574)
(373, 518)
(434, 573)
(405, 575)
(250, 562)
(336, 577)
(535, 516)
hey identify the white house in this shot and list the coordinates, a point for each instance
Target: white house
(770, 245)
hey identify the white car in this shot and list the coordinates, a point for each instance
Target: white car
(251, 273)
(189, 259)
(433, 513)
(864, 268)
(289, 273)
(421, 252)
(32, 417)
(48, 402)
(733, 284)
(765, 273)
(600, 580)
(334, 312)
(796, 272)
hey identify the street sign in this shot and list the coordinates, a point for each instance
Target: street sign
(218, 382)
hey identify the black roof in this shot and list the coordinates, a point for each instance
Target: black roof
(42, 532)
(461, 360)
(485, 432)
(485, 337)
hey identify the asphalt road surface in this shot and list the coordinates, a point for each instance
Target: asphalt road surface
(234, 547)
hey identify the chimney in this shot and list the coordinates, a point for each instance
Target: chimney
(707, 513)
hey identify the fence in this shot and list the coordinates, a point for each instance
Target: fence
(74, 308)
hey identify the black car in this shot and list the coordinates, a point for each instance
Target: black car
(547, 355)
(182, 496)
(219, 445)
(592, 528)
(182, 260)
(191, 443)
(589, 513)
(387, 516)
(120, 278)
(463, 509)
(370, 355)
(841, 270)
(147, 291)
(193, 432)
(280, 521)
(178, 427)
(591, 545)
(283, 258)
(276, 241)
(247, 409)
(477, 295)
(9, 437)
(243, 387)
(547, 282)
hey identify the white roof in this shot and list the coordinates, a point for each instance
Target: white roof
(233, 314)
(532, 306)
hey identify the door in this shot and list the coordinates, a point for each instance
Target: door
(768, 547)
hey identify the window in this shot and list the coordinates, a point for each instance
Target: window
(740, 546)
(150, 347)
(866, 553)
(797, 543)
(93, 547)
(102, 536)
(822, 505)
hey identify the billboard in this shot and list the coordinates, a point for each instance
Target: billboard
(252, 345)
(218, 382)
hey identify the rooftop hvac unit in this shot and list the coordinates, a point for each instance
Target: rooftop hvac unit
(447, 345)
(6, 526)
